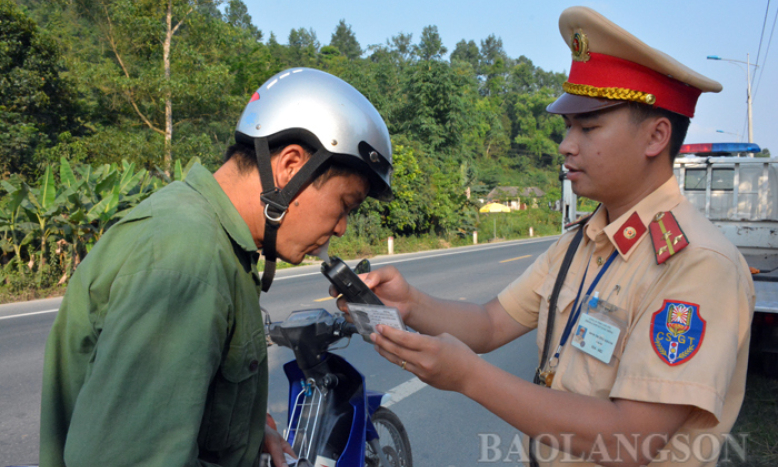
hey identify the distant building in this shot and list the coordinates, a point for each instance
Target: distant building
(512, 196)
(533, 191)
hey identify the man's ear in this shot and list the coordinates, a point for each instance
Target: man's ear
(659, 130)
(287, 163)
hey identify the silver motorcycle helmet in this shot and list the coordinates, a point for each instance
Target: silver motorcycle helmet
(303, 105)
(328, 114)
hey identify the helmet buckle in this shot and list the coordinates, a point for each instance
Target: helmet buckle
(274, 211)
(276, 219)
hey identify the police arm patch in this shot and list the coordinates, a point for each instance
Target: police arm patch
(677, 331)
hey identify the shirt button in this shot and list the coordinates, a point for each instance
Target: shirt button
(253, 365)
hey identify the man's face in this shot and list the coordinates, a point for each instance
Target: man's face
(604, 154)
(318, 213)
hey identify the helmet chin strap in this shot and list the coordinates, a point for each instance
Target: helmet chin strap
(277, 201)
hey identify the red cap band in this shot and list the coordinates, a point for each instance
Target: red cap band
(606, 71)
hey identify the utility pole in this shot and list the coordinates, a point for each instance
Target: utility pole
(748, 88)
(748, 80)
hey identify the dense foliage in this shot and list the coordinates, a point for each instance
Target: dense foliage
(150, 83)
(47, 227)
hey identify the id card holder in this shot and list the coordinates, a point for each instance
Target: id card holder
(599, 332)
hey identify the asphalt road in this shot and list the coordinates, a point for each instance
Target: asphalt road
(446, 429)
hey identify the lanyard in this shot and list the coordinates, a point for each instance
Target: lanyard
(576, 311)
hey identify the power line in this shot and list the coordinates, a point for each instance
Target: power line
(761, 37)
(767, 51)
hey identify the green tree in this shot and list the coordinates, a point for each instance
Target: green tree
(430, 47)
(345, 41)
(435, 110)
(161, 79)
(237, 15)
(538, 132)
(378, 81)
(401, 45)
(493, 66)
(405, 213)
(35, 99)
(276, 49)
(488, 134)
(467, 52)
(397, 52)
(476, 120)
(303, 47)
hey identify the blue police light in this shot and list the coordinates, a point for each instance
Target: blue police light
(717, 148)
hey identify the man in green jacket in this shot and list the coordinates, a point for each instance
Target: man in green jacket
(158, 356)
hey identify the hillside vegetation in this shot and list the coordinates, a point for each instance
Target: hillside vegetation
(103, 102)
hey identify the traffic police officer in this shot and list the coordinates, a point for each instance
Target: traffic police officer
(665, 300)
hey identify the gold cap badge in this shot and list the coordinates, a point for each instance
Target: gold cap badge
(579, 44)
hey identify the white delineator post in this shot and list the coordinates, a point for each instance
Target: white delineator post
(531, 231)
(475, 237)
(390, 243)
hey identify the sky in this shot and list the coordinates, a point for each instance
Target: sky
(687, 30)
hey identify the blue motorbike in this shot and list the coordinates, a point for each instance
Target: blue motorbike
(333, 419)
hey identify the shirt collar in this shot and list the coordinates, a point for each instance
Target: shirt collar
(631, 227)
(202, 181)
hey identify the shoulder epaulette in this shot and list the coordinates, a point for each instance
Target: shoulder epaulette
(667, 236)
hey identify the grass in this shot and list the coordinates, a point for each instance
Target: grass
(759, 419)
(10, 296)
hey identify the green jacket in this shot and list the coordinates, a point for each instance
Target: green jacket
(157, 356)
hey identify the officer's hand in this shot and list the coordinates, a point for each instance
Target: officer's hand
(275, 445)
(389, 285)
(439, 361)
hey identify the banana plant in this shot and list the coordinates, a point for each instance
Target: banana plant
(76, 211)
(102, 214)
(16, 232)
(41, 205)
(75, 230)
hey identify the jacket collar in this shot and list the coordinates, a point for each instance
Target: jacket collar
(631, 227)
(202, 181)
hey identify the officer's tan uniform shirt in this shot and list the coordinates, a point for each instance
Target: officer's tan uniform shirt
(709, 272)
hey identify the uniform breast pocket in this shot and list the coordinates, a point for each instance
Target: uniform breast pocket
(232, 397)
(566, 297)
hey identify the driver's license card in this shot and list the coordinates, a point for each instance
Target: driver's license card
(367, 317)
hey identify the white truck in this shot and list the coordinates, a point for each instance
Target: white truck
(739, 194)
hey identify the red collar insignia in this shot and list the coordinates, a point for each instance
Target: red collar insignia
(629, 233)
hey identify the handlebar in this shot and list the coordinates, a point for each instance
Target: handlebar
(309, 333)
(348, 329)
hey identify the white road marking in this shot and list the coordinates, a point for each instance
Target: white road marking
(404, 390)
(457, 252)
(29, 314)
(391, 261)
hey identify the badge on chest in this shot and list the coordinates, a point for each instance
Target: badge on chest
(598, 331)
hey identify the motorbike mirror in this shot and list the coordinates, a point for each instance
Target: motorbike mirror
(363, 267)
